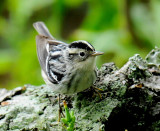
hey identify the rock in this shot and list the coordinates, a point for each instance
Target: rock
(130, 101)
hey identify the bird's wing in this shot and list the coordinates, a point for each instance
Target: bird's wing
(47, 53)
(44, 43)
(56, 66)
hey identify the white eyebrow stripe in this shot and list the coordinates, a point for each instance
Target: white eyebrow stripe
(73, 50)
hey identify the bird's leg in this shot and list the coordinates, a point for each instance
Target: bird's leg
(60, 112)
(60, 109)
(97, 88)
(97, 91)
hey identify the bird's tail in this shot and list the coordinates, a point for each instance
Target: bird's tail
(42, 29)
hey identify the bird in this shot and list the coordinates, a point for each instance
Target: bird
(66, 68)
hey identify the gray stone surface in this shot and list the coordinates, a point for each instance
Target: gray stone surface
(130, 100)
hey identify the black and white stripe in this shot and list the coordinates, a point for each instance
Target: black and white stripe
(56, 66)
(81, 44)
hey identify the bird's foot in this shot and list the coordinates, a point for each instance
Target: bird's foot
(97, 90)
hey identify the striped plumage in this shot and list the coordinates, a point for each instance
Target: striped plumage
(67, 68)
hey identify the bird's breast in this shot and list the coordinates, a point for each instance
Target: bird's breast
(78, 82)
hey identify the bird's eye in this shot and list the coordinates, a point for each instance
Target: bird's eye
(82, 54)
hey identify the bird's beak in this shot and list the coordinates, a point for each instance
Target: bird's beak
(96, 53)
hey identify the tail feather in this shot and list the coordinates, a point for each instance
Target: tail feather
(42, 29)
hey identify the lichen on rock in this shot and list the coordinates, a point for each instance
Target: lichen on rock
(153, 58)
(130, 100)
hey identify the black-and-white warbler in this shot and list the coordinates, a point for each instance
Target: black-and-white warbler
(67, 68)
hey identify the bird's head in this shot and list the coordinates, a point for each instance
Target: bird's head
(82, 52)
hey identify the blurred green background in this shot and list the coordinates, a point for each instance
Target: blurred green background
(120, 28)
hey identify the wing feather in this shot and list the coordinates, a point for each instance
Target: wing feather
(43, 47)
(47, 46)
(42, 53)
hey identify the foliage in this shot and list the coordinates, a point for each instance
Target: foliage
(69, 119)
(118, 28)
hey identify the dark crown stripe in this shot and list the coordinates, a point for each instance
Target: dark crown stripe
(82, 45)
